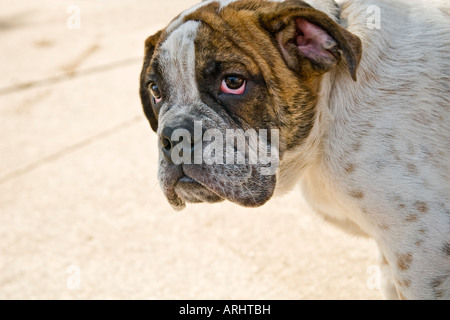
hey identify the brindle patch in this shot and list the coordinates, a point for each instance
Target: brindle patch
(276, 98)
(247, 31)
(258, 41)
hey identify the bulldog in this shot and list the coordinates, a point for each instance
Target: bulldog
(360, 108)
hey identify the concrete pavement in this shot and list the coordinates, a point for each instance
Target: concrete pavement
(81, 213)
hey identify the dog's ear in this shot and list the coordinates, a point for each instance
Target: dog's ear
(309, 39)
(150, 45)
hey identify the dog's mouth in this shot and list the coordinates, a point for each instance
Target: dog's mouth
(186, 179)
(190, 190)
(212, 184)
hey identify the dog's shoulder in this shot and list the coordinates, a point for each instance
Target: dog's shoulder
(387, 140)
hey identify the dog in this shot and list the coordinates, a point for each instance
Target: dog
(362, 113)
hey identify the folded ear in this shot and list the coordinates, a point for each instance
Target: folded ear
(309, 39)
(150, 45)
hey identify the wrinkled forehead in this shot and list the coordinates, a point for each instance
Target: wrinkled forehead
(180, 35)
(220, 3)
(328, 6)
(178, 21)
(187, 33)
(210, 24)
(195, 49)
(221, 30)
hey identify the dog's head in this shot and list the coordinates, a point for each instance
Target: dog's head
(231, 88)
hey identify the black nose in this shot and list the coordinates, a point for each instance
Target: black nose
(168, 142)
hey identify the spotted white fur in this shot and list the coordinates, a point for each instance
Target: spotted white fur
(384, 144)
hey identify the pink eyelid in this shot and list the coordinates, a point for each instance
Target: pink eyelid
(157, 100)
(224, 88)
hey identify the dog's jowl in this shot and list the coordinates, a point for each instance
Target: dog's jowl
(252, 97)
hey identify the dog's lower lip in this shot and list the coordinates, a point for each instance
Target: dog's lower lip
(186, 179)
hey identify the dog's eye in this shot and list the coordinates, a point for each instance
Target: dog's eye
(233, 85)
(155, 91)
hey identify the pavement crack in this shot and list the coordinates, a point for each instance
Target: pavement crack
(71, 68)
(70, 149)
(69, 75)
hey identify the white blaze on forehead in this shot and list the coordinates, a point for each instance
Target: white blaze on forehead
(177, 59)
(179, 21)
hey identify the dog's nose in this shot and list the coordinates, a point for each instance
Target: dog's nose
(168, 142)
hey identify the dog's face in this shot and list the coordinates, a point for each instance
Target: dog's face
(251, 67)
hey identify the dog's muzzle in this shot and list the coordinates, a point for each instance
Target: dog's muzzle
(186, 175)
(178, 186)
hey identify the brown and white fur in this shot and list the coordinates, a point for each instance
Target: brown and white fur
(365, 132)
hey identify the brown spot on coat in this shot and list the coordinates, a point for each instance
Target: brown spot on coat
(446, 249)
(357, 194)
(350, 168)
(404, 261)
(411, 218)
(436, 284)
(356, 146)
(421, 206)
(412, 168)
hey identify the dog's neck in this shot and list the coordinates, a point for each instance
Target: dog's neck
(339, 101)
(311, 153)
